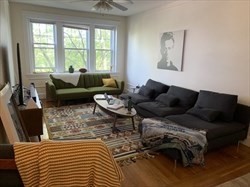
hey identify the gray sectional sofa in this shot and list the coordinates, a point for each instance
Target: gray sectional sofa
(224, 120)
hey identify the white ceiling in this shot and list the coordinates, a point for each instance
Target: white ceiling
(86, 5)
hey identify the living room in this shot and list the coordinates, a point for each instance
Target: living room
(215, 51)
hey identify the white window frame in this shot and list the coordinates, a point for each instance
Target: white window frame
(113, 42)
(59, 21)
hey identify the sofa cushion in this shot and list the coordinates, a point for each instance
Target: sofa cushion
(146, 91)
(109, 82)
(159, 109)
(167, 99)
(207, 114)
(136, 98)
(65, 94)
(93, 79)
(186, 96)
(216, 129)
(225, 103)
(158, 87)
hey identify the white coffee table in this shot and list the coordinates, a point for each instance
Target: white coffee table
(121, 112)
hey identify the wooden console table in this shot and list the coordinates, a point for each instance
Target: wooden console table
(32, 114)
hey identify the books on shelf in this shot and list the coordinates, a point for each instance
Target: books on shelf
(115, 106)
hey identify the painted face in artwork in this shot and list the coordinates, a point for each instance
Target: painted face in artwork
(167, 50)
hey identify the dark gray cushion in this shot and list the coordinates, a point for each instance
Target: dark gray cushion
(158, 87)
(214, 129)
(160, 109)
(166, 99)
(187, 97)
(225, 103)
(136, 98)
(204, 113)
(146, 91)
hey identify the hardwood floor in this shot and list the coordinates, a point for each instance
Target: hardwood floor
(221, 165)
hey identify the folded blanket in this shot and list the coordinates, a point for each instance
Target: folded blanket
(72, 78)
(163, 134)
(67, 163)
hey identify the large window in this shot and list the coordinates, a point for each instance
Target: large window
(56, 46)
(75, 47)
(43, 43)
(103, 49)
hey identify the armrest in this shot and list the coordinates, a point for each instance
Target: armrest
(50, 91)
(8, 170)
(7, 161)
(120, 85)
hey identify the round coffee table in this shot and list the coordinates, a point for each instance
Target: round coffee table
(120, 112)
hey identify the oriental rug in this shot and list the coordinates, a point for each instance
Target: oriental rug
(79, 122)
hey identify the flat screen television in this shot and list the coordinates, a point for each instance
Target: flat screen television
(19, 90)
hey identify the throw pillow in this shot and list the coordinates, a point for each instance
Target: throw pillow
(225, 103)
(167, 100)
(146, 91)
(109, 82)
(206, 114)
(158, 87)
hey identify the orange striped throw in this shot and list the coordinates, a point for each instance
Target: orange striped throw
(68, 163)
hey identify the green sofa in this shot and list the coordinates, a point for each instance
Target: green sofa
(87, 86)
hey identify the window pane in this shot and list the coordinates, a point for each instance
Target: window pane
(43, 33)
(102, 38)
(103, 60)
(75, 47)
(103, 50)
(76, 58)
(43, 47)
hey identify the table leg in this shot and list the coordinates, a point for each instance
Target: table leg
(114, 128)
(132, 118)
(94, 108)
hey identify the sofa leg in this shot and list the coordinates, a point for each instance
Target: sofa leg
(238, 147)
(58, 102)
(175, 163)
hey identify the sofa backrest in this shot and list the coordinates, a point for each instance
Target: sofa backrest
(224, 103)
(60, 84)
(158, 87)
(87, 80)
(187, 97)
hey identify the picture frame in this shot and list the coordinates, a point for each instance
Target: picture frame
(171, 50)
(11, 117)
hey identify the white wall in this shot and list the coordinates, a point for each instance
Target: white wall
(19, 34)
(6, 57)
(216, 50)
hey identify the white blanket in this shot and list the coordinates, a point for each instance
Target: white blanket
(72, 78)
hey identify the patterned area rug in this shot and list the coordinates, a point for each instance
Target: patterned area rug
(79, 122)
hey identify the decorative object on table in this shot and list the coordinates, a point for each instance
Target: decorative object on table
(83, 70)
(129, 104)
(171, 50)
(79, 122)
(71, 69)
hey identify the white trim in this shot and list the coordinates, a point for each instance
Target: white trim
(60, 20)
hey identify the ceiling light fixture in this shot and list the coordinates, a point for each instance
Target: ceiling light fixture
(102, 5)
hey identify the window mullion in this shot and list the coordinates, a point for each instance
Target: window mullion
(60, 56)
(92, 48)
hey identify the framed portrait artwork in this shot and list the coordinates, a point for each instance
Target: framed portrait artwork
(11, 118)
(171, 50)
